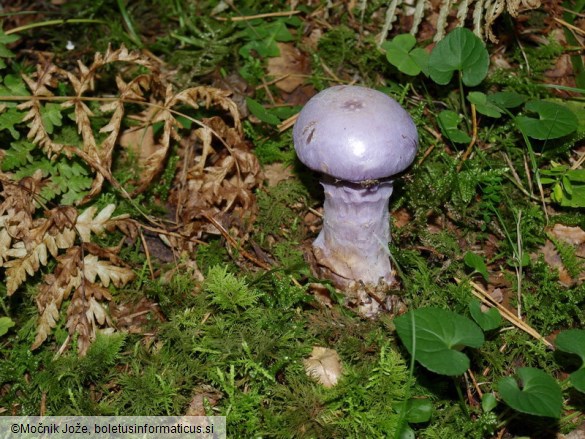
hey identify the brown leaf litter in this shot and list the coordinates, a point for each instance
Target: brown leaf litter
(215, 179)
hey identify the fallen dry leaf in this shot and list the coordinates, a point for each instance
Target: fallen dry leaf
(324, 365)
(321, 294)
(274, 173)
(553, 259)
(401, 217)
(203, 395)
(140, 140)
(292, 65)
(570, 235)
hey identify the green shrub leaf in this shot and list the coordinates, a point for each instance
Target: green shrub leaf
(553, 120)
(540, 394)
(488, 402)
(439, 335)
(573, 342)
(418, 410)
(506, 99)
(4, 51)
(491, 319)
(483, 105)
(261, 113)
(263, 38)
(476, 262)
(5, 324)
(460, 51)
(400, 52)
(449, 122)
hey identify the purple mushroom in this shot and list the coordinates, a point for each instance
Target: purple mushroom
(359, 139)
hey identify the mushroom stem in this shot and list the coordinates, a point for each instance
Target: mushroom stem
(353, 243)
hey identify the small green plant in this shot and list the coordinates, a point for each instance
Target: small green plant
(573, 342)
(402, 54)
(5, 324)
(460, 51)
(463, 53)
(540, 394)
(488, 320)
(568, 185)
(434, 337)
(227, 291)
(477, 263)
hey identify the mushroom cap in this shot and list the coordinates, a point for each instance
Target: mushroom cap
(355, 134)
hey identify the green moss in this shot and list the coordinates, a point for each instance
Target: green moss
(214, 253)
(337, 46)
(343, 49)
(228, 292)
(276, 214)
(65, 381)
(271, 149)
(548, 304)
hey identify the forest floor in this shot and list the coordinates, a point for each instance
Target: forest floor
(155, 222)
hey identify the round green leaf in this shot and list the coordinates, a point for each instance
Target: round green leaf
(491, 319)
(418, 410)
(476, 262)
(483, 105)
(488, 402)
(461, 50)
(540, 394)
(401, 53)
(573, 342)
(5, 324)
(406, 432)
(449, 122)
(553, 121)
(578, 380)
(439, 335)
(506, 99)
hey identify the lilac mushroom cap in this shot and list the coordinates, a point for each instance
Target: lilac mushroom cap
(360, 138)
(355, 134)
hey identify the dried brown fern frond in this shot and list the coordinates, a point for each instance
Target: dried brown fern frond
(483, 14)
(213, 140)
(46, 78)
(221, 186)
(85, 269)
(217, 176)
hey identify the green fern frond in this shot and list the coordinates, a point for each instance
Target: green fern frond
(19, 153)
(228, 292)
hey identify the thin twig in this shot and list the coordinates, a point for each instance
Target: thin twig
(330, 72)
(516, 178)
(474, 381)
(274, 81)
(147, 252)
(579, 162)
(488, 300)
(287, 123)
(234, 243)
(528, 176)
(519, 257)
(315, 212)
(570, 26)
(473, 138)
(426, 154)
(253, 17)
